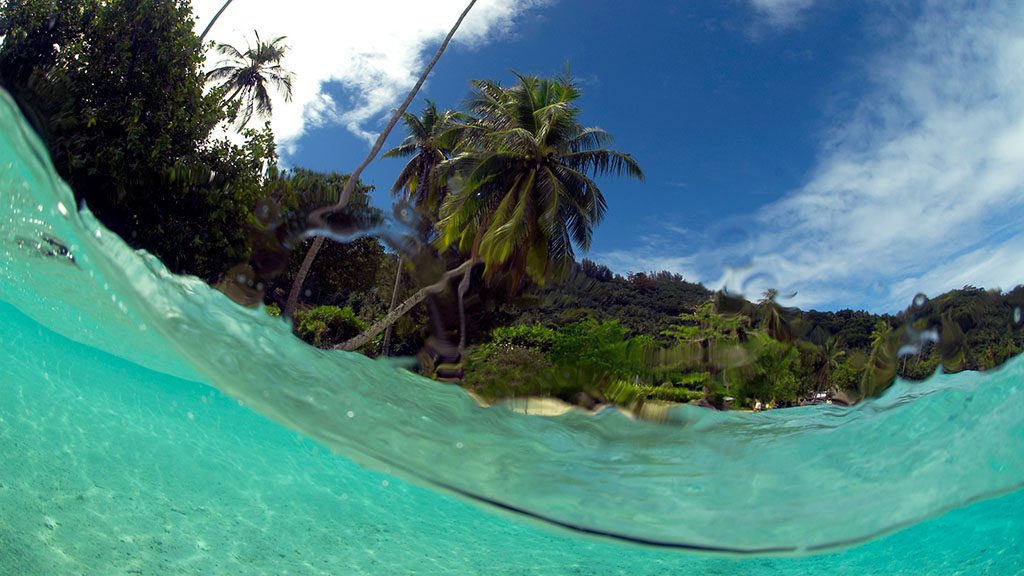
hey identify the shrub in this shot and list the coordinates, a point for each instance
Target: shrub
(505, 371)
(325, 326)
(534, 336)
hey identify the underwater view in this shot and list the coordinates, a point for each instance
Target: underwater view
(215, 360)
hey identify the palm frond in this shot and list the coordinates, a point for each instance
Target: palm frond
(603, 161)
(406, 148)
(230, 52)
(590, 138)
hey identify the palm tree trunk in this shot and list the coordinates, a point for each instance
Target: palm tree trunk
(350, 185)
(210, 25)
(394, 302)
(300, 278)
(463, 287)
(393, 316)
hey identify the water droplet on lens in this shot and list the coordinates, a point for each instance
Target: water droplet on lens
(1016, 315)
(920, 300)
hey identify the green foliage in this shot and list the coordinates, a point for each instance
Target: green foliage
(774, 375)
(324, 326)
(693, 380)
(433, 138)
(666, 393)
(122, 108)
(533, 336)
(595, 346)
(525, 164)
(343, 272)
(852, 327)
(495, 372)
(586, 360)
(643, 303)
(846, 376)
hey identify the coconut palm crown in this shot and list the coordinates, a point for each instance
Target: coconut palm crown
(523, 193)
(432, 138)
(245, 76)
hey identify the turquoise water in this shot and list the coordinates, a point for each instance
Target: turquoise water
(149, 425)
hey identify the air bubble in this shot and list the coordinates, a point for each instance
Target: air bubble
(62, 209)
(1016, 315)
(350, 414)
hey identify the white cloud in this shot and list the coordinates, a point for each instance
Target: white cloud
(781, 13)
(989, 267)
(921, 189)
(376, 49)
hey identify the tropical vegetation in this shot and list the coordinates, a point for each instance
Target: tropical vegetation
(498, 199)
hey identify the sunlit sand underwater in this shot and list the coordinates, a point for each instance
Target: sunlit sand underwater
(138, 436)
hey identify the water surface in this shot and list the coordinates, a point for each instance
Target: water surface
(142, 421)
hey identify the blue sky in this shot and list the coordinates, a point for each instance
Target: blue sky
(851, 153)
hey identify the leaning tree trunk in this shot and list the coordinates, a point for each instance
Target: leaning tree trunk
(346, 193)
(394, 302)
(399, 311)
(210, 25)
(463, 287)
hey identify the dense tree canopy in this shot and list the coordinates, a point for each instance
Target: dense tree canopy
(117, 93)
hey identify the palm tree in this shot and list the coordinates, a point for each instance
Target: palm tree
(706, 327)
(526, 194)
(773, 316)
(317, 217)
(431, 138)
(831, 353)
(213, 21)
(881, 365)
(245, 77)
